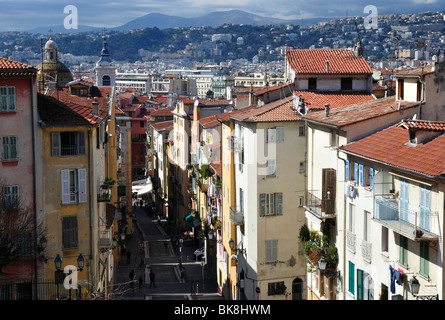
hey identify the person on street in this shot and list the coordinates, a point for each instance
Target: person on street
(128, 256)
(152, 279)
(140, 284)
(132, 280)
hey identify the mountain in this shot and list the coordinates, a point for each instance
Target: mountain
(212, 19)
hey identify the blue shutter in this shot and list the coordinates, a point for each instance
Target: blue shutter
(355, 172)
(347, 170)
(361, 180)
(371, 178)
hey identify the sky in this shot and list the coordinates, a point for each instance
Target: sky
(22, 15)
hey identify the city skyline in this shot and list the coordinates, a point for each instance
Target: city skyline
(24, 15)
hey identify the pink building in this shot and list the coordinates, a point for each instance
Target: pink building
(20, 175)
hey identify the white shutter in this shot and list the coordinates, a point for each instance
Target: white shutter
(271, 135)
(278, 203)
(270, 170)
(65, 175)
(280, 134)
(82, 177)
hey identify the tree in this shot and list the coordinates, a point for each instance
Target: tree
(16, 228)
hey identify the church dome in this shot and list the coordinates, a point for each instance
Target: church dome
(51, 45)
(51, 70)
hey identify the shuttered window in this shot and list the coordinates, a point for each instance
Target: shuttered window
(69, 232)
(271, 251)
(11, 199)
(68, 143)
(7, 99)
(271, 204)
(9, 148)
(74, 186)
(351, 280)
(270, 168)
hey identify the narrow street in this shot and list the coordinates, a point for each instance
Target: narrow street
(162, 257)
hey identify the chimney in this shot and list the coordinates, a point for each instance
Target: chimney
(95, 104)
(326, 109)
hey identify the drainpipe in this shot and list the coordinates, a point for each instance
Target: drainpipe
(92, 270)
(34, 186)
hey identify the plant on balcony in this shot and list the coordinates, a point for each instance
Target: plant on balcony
(108, 183)
(315, 246)
(206, 171)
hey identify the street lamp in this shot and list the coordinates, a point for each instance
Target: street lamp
(414, 286)
(80, 262)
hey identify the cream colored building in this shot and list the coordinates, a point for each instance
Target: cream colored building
(327, 206)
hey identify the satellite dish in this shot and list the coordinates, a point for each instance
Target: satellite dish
(196, 103)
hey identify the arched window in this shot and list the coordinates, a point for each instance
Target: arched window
(297, 289)
(106, 80)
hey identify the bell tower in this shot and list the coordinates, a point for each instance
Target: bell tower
(105, 69)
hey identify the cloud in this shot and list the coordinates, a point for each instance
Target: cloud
(28, 14)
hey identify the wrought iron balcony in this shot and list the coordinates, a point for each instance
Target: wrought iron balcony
(320, 205)
(236, 217)
(412, 224)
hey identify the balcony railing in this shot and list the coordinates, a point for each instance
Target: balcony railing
(105, 239)
(410, 223)
(351, 241)
(322, 206)
(236, 217)
(367, 251)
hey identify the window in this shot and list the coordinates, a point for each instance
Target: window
(403, 251)
(275, 134)
(302, 166)
(73, 186)
(69, 232)
(271, 204)
(351, 278)
(366, 225)
(106, 81)
(11, 197)
(312, 84)
(359, 284)
(424, 257)
(275, 288)
(7, 99)
(351, 222)
(271, 251)
(280, 134)
(301, 131)
(346, 83)
(384, 241)
(69, 143)
(9, 148)
(270, 168)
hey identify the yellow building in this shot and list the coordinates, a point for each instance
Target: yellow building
(80, 192)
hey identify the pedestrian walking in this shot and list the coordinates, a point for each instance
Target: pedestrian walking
(152, 279)
(128, 256)
(140, 283)
(140, 203)
(132, 280)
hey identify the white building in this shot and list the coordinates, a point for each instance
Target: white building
(332, 191)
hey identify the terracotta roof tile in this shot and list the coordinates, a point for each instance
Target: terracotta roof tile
(341, 61)
(424, 125)
(11, 67)
(349, 114)
(164, 125)
(390, 147)
(317, 100)
(280, 110)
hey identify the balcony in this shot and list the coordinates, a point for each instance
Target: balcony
(236, 217)
(412, 224)
(321, 206)
(105, 238)
(367, 251)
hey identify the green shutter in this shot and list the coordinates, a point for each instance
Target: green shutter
(359, 284)
(351, 277)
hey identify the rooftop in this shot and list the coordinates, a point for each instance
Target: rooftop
(391, 146)
(11, 68)
(350, 114)
(327, 61)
